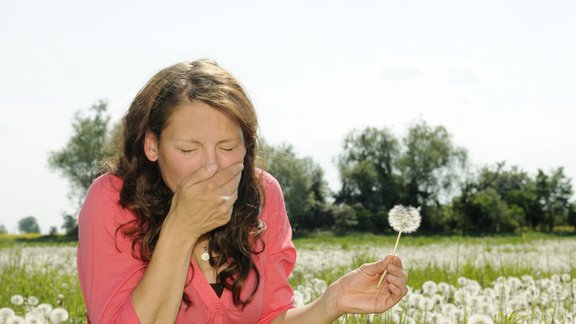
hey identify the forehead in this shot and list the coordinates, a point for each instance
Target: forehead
(198, 119)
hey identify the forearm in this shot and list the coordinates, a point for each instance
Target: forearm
(321, 310)
(158, 295)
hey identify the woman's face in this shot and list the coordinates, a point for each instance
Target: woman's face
(196, 135)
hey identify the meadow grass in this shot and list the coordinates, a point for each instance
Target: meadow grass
(45, 268)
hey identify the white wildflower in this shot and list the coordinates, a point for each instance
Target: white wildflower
(5, 313)
(438, 299)
(45, 309)
(429, 288)
(17, 300)
(404, 219)
(58, 315)
(33, 300)
(444, 288)
(441, 319)
(15, 320)
(32, 318)
(514, 283)
(462, 281)
(480, 319)
(298, 298)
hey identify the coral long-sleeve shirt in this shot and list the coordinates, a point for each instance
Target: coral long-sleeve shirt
(108, 272)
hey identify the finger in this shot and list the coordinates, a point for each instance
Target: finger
(229, 199)
(397, 285)
(375, 268)
(229, 174)
(200, 175)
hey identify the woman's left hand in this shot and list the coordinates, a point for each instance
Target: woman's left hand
(357, 292)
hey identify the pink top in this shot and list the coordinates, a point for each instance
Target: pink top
(108, 272)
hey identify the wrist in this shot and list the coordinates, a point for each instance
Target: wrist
(177, 234)
(329, 302)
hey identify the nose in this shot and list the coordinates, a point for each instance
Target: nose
(210, 157)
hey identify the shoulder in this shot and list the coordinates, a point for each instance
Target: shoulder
(103, 198)
(270, 186)
(106, 184)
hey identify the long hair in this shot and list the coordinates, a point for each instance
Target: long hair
(145, 193)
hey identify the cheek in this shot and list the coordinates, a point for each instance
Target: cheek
(175, 168)
(229, 159)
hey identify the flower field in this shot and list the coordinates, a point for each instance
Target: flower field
(453, 279)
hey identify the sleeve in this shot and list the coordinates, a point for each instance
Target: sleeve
(106, 268)
(281, 253)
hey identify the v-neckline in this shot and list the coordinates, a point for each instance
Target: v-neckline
(206, 292)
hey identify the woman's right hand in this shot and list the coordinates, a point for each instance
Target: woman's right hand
(204, 200)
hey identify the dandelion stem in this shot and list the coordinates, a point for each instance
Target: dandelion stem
(397, 240)
(394, 253)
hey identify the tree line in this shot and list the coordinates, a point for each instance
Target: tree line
(377, 170)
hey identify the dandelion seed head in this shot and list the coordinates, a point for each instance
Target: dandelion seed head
(404, 219)
(15, 320)
(6, 313)
(31, 318)
(45, 309)
(58, 315)
(33, 300)
(440, 319)
(480, 319)
(429, 288)
(298, 298)
(17, 300)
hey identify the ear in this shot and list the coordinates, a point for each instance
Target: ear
(151, 146)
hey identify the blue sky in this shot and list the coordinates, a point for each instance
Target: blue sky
(499, 75)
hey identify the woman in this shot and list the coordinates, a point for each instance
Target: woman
(184, 229)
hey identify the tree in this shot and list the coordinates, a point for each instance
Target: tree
(430, 166)
(367, 169)
(3, 229)
(572, 216)
(53, 231)
(553, 193)
(70, 225)
(344, 219)
(28, 225)
(303, 186)
(369, 176)
(79, 160)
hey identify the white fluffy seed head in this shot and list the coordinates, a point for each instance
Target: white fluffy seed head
(404, 219)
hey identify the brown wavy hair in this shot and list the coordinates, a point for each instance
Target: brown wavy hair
(145, 193)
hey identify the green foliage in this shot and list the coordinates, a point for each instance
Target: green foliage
(367, 169)
(378, 171)
(344, 219)
(28, 225)
(303, 186)
(553, 193)
(430, 167)
(3, 229)
(79, 161)
(508, 199)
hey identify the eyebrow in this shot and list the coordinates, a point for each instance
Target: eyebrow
(194, 141)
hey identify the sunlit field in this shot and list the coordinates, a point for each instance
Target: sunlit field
(528, 278)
